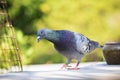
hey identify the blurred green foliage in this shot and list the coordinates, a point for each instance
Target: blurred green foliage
(97, 19)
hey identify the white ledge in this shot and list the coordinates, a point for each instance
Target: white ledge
(88, 71)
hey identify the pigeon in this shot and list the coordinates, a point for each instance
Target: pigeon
(70, 44)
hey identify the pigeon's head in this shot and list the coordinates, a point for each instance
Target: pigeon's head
(43, 34)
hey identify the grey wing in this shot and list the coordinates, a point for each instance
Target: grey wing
(82, 43)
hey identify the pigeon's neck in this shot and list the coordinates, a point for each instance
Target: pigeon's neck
(52, 37)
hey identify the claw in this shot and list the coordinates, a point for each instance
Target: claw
(75, 68)
(64, 66)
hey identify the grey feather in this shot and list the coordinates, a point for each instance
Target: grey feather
(70, 44)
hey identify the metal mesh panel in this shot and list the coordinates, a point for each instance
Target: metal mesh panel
(10, 60)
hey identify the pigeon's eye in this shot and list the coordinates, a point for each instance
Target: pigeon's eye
(41, 32)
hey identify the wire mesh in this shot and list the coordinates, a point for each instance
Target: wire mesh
(10, 59)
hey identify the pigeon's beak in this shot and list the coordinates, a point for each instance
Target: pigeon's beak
(38, 38)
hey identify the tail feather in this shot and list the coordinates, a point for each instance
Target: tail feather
(101, 46)
(96, 44)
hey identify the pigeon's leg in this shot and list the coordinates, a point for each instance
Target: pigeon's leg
(76, 67)
(66, 64)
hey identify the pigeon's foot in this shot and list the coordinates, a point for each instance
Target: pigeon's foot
(73, 68)
(64, 66)
(76, 67)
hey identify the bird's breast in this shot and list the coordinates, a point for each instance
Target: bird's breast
(62, 47)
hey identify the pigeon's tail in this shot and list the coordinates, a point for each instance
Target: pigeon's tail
(96, 44)
(101, 46)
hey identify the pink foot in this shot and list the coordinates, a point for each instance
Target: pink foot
(64, 66)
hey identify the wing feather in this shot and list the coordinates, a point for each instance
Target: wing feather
(82, 43)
